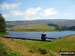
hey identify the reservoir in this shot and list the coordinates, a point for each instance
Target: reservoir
(37, 35)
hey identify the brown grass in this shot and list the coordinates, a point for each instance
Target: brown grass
(16, 46)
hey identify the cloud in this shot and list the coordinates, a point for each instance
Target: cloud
(49, 12)
(7, 6)
(6, 15)
(31, 18)
(32, 11)
(13, 14)
(29, 14)
(66, 14)
(16, 13)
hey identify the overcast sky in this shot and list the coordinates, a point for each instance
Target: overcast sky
(37, 9)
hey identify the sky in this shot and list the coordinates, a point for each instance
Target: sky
(13, 10)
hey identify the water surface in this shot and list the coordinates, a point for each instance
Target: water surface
(37, 35)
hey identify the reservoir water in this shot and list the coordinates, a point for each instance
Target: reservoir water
(37, 35)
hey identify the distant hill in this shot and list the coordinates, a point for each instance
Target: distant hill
(61, 22)
(32, 27)
(58, 24)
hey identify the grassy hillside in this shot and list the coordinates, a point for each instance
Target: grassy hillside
(5, 51)
(62, 22)
(18, 47)
(33, 27)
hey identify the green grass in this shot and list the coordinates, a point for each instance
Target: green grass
(5, 51)
(3, 33)
(52, 48)
(33, 27)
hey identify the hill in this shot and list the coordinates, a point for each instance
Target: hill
(48, 21)
(57, 24)
(32, 27)
(18, 47)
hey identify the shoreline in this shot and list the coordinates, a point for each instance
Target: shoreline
(36, 39)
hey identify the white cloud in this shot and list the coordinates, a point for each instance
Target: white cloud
(6, 15)
(66, 14)
(7, 6)
(21, 15)
(13, 14)
(31, 18)
(30, 14)
(16, 13)
(49, 12)
(32, 11)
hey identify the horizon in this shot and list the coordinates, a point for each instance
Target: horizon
(17, 10)
(41, 19)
